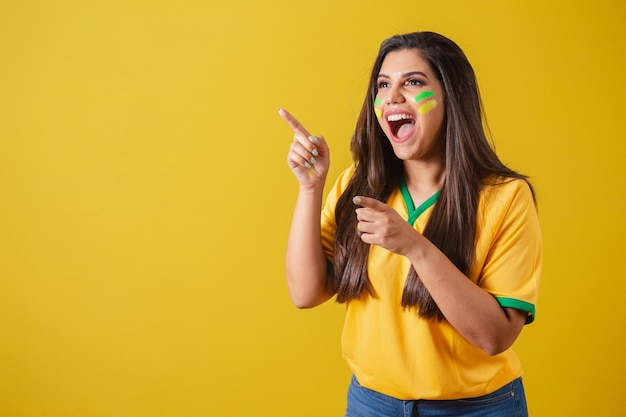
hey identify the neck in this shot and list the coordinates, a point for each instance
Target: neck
(423, 179)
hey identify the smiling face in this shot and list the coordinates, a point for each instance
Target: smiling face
(409, 106)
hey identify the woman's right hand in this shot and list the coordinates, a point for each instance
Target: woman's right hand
(309, 156)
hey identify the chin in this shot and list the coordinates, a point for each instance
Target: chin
(404, 156)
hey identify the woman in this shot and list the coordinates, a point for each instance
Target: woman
(430, 240)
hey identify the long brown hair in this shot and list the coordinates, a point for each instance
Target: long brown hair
(469, 161)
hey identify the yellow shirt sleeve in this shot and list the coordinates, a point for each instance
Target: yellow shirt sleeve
(509, 248)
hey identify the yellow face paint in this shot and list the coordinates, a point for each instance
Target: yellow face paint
(378, 112)
(427, 107)
(423, 109)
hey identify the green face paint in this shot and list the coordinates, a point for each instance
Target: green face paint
(427, 107)
(423, 95)
(377, 103)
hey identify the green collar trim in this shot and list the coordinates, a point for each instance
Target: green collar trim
(414, 213)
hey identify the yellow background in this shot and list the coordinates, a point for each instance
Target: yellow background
(145, 197)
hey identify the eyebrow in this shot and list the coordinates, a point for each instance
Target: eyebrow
(406, 74)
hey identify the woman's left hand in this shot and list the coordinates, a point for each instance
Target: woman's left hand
(379, 224)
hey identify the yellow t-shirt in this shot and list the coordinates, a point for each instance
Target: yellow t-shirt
(393, 351)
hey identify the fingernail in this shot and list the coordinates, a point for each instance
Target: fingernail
(313, 139)
(313, 161)
(306, 164)
(315, 152)
(356, 200)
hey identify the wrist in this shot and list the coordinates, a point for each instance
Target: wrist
(313, 189)
(416, 251)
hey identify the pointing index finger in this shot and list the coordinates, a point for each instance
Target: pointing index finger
(369, 203)
(293, 123)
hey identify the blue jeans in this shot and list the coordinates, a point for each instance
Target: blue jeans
(508, 401)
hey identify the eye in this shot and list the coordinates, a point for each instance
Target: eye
(414, 81)
(383, 84)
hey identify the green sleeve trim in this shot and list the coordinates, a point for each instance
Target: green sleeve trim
(518, 305)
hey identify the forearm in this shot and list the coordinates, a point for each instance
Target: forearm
(473, 312)
(305, 264)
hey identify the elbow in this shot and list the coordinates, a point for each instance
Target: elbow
(494, 351)
(499, 339)
(495, 347)
(309, 292)
(302, 303)
(307, 300)
(301, 298)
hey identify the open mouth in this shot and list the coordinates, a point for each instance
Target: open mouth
(401, 124)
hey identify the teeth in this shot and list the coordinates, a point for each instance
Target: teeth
(399, 116)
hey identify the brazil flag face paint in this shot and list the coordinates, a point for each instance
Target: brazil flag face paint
(429, 104)
(377, 103)
(426, 97)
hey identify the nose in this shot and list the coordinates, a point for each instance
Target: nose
(394, 95)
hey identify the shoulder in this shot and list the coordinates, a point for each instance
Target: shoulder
(507, 205)
(506, 200)
(501, 192)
